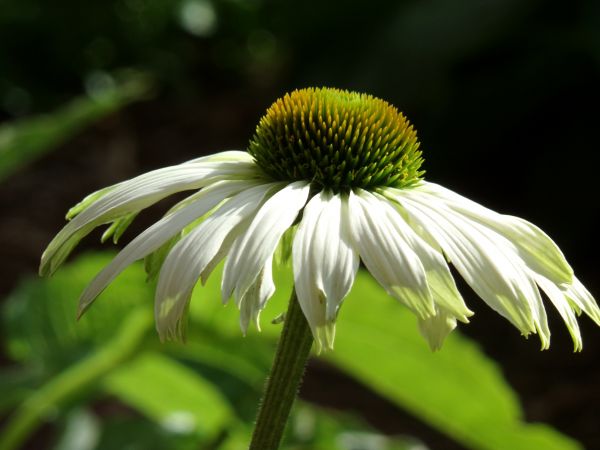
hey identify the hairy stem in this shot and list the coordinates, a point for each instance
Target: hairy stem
(284, 379)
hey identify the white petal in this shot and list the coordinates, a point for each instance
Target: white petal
(485, 259)
(88, 200)
(582, 299)
(324, 263)
(251, 251)
(558, 299)
(387, 256)
(534, 246)
(192, 254)
(256, 296)
(439, 278)
(228, 155)
(435, 329)
(136, 194)
(153, 237)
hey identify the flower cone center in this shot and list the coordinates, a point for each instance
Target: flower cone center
(337, 139)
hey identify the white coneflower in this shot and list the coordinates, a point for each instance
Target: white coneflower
(337, 175)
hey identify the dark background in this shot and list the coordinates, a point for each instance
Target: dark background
(504, 95)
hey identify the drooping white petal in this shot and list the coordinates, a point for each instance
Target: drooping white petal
(582, 299)
(230, 155)
(435, 329)
(560, 302)
(153, 237)
(256, 296)
(88, 200)
(535, 247)
(387, 255)
(192, 254)
(251, 250)
(138, 193)
(324, 262)
(485, 259)
(439, 278)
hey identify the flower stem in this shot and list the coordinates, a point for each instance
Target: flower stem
(284, 379)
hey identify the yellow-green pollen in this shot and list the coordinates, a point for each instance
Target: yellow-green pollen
(337, 139)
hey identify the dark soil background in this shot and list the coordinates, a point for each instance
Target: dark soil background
(504, 95)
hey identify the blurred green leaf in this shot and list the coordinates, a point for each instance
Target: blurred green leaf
(39, 316)
(458, 390)
(75, 379)
(26, 140)
(15, 384)
(171, 394)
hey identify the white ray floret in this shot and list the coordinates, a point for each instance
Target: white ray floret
(184, 264)
(159, 233)
(383, 253)
(138, 193)
(325, 263)
(251, 251)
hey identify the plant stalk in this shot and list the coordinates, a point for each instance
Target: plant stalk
(284, 379)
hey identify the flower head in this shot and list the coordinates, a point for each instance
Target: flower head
(337, 140)
(334, 176)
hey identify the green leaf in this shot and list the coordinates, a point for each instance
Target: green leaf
(15, 384)
(71, 382)
(249, 359)
(26, 140)
(39, 316)
(171, 394)
(458, 390)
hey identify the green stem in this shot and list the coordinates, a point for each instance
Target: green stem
(284, 380)
(75, 378)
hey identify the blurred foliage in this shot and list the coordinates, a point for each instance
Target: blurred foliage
(457, 390)
(23, 141)
(407, 50)
(205, 392)
(180, 42)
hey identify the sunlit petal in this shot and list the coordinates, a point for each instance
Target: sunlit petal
(387, 255)
(157, 234)
(324, 263)
(136, 194)
(435, 329)
(191, 255)
(486, 261)
(251, 250)
(439, 278)
(534, 246)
